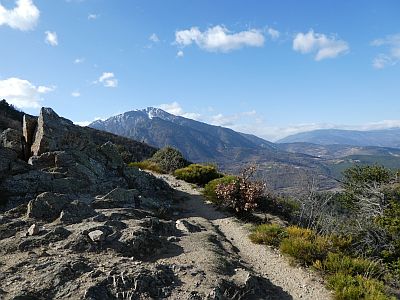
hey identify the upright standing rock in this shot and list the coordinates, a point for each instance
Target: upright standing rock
(29, 125)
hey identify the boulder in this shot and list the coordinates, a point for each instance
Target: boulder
(12, 139)
(47, 206)
(56, 133)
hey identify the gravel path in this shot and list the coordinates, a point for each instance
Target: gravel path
(297, 282)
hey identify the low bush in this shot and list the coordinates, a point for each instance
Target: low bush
(305, 245)
(243, 194)
(147, 165)
(198, 174)
(209, 188)
(340, 263)
(268, 234)
(349, 287)
(169, 159)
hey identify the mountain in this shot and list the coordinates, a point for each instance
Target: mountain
(196, 140)
(336, 150)
(380, 138)
(230, 150)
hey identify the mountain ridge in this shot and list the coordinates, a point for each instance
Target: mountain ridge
(380, 137)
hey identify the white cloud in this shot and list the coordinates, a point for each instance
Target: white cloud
(319, 44)
(108, 80)
(273, 33)
(22, 93)
(392, 55)
(78, 61)
(176, 109)
(93, 16)
(75, 94)
(154, 38)
(180, 53)
(51, 38)
(82, 123)
(219, 38)
(24, 16)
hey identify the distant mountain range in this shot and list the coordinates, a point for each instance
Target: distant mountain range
(230, 150)
(380, 138)
(321, 154)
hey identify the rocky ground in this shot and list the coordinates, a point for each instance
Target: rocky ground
(77, 223)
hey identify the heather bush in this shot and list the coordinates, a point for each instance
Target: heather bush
(243, 194)
(209, 188)
(198, 174)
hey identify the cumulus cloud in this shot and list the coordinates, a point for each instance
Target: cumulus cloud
(319, 44)
(392, 55)
(24, 16)
(22, 93)
(154, 38)
(219, 38)
(108, 80)
(180, 53)
(51, 38)
(176, 109)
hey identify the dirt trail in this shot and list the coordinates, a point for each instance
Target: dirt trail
(293, 282)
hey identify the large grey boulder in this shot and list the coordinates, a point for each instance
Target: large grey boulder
(47, 206)
(56, 133)
(50, 206)
(12, 139)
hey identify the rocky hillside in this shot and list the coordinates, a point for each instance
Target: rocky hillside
(77, 223)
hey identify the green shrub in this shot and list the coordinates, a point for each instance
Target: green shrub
(305, 245)
(339, 263)
(349, 287)
(198, 174)
(209, 188)
(169, 159)
(268, 234)
(147, 165)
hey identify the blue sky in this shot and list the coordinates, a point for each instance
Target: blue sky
(270, 68)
